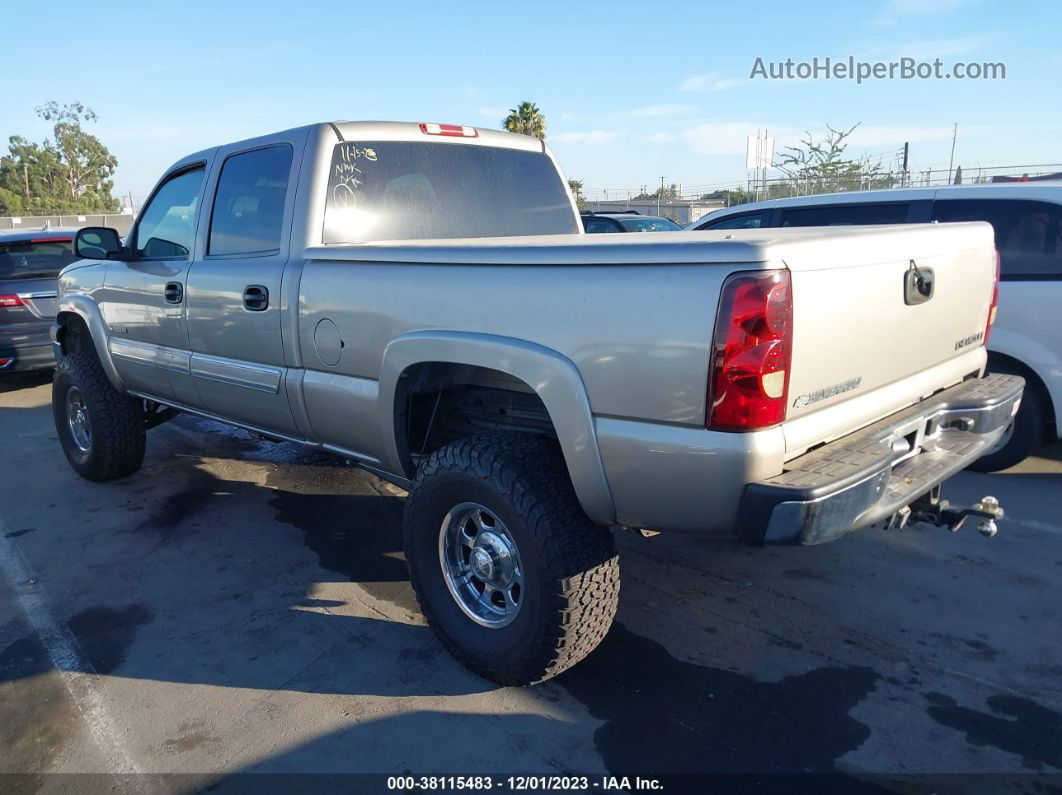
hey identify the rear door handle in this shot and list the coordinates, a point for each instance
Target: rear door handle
(174, 292)
(255, 298)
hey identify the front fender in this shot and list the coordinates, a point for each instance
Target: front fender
(552, 376)
(86, 309)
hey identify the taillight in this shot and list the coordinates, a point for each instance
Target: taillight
(751, 352)
(453, 130)
(995, 302)
(10, 300)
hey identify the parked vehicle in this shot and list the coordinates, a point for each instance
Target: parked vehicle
(30, 261)
(1027, 218)
(531, 392)
(594, 223)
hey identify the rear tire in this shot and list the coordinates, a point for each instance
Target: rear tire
(100, 430)
(515, 487)
(1025, 434)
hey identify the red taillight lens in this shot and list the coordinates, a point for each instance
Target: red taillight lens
(995, 302)
(10, 300)
(751, 352)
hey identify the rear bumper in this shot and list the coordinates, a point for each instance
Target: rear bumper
(870, 475)
(19, 357)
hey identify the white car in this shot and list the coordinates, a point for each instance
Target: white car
(1027, 217)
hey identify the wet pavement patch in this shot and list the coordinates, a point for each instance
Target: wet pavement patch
(663, 715)
(1014, 724)
(354, 529)
(39, 718)
(106, 633)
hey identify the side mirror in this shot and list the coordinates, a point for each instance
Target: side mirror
(97, 242)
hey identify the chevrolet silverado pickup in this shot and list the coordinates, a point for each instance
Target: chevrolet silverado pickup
(420, 298)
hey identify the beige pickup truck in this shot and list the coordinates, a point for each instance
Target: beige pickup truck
(420, 299)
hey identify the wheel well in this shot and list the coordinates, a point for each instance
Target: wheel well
(1000, 362)
(73, 334)
(437, 403)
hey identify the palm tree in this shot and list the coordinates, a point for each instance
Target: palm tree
(526, 119)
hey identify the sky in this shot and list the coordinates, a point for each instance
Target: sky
(631, 91)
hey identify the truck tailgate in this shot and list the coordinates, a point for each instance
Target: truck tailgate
(884, 323)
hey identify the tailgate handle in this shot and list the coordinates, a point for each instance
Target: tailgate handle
(917, 285)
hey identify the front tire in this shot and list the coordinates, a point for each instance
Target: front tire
(100, 430)
(511, 574)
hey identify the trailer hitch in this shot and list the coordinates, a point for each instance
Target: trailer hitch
(931, 509)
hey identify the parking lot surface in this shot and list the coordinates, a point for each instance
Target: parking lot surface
(240, 605)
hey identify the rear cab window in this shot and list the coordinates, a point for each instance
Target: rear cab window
(398, 190)
(35, 258)
(1028, 233)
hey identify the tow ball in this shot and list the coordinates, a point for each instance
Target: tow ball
(933, 510)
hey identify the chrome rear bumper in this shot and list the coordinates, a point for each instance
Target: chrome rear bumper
(874, 473)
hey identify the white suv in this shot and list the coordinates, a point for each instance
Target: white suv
(1027, 217)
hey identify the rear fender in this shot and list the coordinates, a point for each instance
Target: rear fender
(553, 377)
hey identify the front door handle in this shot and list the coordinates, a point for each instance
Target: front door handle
(255, 298)
(174, 292)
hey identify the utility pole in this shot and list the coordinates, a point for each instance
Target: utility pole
(25, 181)
(906, 154)
(951, 162)
(660, 195)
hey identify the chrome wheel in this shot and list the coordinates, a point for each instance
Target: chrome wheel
(481, 565)
(78, 419)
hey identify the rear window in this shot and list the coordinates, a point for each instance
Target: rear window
(27, 259)
(846, 214)
(394, 190)
(650, 225)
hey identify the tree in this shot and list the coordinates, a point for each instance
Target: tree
(958, 176)
(821, 167)
(576, 187)
(70, 174)
(527, 119)
(663, 192)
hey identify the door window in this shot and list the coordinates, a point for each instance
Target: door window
(1027, 232)
(166, 229)
(248, 213)
(848, 214)
(742, 221)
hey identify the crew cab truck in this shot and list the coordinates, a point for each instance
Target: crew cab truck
(420, 299)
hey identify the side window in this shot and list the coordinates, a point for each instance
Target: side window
(1027, 232)
(599, 225)
(743, 221)
(248, 211)
(166, 229)
(849, 214)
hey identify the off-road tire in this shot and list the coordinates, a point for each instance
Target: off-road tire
(571, 585)
(116, 420)
(1025, 437)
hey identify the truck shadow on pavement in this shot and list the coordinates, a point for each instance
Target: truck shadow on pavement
(260, 622)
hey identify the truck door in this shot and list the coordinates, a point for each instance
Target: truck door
(143, 300)
(234, 298)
